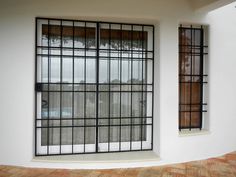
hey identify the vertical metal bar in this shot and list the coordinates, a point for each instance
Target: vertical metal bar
(180, 84)
(191, 80)
(85, 85)
(109, 89)
(97, 81)
(61, 84)
(49, 71)
(36, 80)
(142, 100)
(73, 86)
(153, 46)
(201, 73)
(120, 53)
(131, 101)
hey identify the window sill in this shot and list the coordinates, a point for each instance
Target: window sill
(193, 132)
(138, 156)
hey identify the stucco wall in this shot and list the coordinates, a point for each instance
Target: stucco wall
(17, 62)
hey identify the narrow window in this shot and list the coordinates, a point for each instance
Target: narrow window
(94, 87)
(192, 79)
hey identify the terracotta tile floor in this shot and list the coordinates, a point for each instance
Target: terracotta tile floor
(224, 166)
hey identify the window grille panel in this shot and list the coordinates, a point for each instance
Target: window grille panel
(94, 87)
(192, 55)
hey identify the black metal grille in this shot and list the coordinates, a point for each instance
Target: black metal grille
(192, 55)
(94, 87)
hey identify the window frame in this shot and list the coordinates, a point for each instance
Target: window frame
(189, 50)
(57, 150)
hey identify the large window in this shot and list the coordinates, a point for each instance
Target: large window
(192, 56)
(94, 87)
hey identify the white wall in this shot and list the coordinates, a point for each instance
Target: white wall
(17, 30)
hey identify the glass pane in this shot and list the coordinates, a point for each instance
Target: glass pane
(90, 35)
(79, 71)
(90, 135)
(90, 105)
(195, 119)
(55, 69)
(136, 133)
(148, 37)
(79, 105)
(105, 34)
(114, 104)
(114, 133)
(79, 38)
(137, 104)
(126, 71)
(44, 136)
(91, 71)
(126, 37)
(115, 71)
(66, 136)
(103, 134)
(137, 72)
(55, 33)
(44, 104)
(43, 69)
(125, 104)
(103, 71)
(78, 135)
(67, 34)
(104, 104)
(66, 105)
(67, 65)
(54, 136)
(54, 105)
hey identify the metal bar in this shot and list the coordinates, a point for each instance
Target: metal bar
(112, 125)
(153, 75)
(73, 88)
(120, 53)
(49, 75)
(85, 86)
(201, 71)
(142, 100)
(191, 70)
(97, 81)
(36, 80)
(109, 89)
(61, 80)
(115, 50)
(90, 21)
(131, 95)
(180, 85)
(77, 57)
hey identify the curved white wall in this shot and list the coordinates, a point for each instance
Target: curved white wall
(17, 30)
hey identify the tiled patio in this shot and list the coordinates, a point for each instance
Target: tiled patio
(224, 166)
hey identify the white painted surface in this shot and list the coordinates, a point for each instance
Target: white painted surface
(17, 40)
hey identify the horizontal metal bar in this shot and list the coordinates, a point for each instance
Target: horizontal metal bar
(193, 111)
(89, 21)
(101, 91)
(193, 82)
(111, 125)
(78, 83)
(193, 104)
(93, 57)
(184, 45)
(101, 118)
(95, 49)
(205, 75)
(74, 153)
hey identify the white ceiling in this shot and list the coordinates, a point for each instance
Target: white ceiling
(208, 5)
